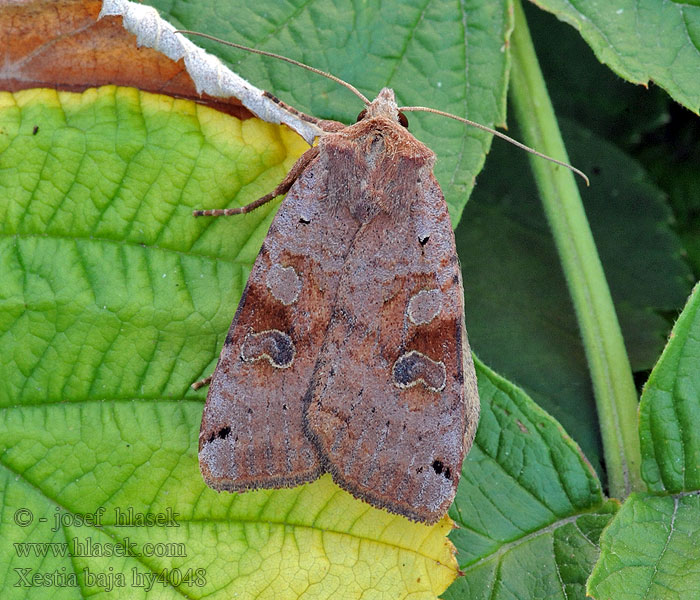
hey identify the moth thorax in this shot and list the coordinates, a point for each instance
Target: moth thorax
(376, 147)
(384, 105)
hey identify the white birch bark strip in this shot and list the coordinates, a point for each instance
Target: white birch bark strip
(208, 73)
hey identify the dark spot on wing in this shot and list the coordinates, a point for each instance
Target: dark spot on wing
(275, 346)
(441, 469)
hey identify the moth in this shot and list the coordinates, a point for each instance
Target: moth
(348, 352)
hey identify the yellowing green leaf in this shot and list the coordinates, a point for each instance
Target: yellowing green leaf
(114, 300)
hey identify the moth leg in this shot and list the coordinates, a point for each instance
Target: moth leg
(201, 383)
(298, 168)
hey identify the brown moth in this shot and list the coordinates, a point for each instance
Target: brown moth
(348, 353)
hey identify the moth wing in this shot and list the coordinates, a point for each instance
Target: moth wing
(251, 434)
(393, 406)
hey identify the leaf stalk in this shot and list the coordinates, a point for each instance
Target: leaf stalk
(611, 374)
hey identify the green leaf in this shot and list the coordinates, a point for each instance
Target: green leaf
(650, 550)
(642, 41)
(114, 300)
(669, 412)
(587, 92)
(441, 54)
(529, 506)
(519, 314)
(643, 122)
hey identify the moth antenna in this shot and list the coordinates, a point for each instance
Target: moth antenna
(351, 87)
(364, 99)
(500, 135)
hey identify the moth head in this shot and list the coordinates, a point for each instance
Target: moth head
(402, 118)
(384, 106)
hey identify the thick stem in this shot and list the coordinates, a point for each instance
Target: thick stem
(615, 394)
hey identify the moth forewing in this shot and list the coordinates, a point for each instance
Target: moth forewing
(387, 408)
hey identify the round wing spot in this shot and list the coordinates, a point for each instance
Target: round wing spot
(424, 306)
(284, 284)
(274, 345)
(413, 368)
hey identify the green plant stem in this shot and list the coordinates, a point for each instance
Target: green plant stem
(615, 393)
